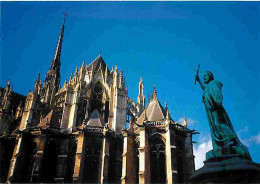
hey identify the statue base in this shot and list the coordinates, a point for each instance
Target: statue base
(227, 166)
(240, 151)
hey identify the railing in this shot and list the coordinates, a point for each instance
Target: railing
(93, 129)
(156, 123)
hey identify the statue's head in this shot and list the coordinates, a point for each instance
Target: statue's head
(207, 77)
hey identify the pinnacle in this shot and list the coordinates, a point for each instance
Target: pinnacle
(154, 90)
(121, 73)
(76, 71)
(8, 82)
(154, 93)
(83, 64)
(141, 80)
(185, 123)
(38, 77)
(65, 15)
(70, 76)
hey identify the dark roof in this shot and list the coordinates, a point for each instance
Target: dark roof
(96, 64)
(153, 112)
(96, 119)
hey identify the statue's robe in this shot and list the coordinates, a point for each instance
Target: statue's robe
(222, 131)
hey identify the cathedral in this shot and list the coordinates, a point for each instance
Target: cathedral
(90, 131)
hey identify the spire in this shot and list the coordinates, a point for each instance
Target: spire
(52, 77)
(55, 64)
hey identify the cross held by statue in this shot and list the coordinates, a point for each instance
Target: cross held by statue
(198, 71)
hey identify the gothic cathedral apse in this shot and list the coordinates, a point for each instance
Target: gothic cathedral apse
(89, 131)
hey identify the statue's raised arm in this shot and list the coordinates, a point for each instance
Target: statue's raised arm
(197, 78)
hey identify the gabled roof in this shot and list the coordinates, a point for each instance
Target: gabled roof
(153, 112)
(51, 119)
(96, 119)
(96, 64)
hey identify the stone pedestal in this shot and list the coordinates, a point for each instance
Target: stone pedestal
(223, 166)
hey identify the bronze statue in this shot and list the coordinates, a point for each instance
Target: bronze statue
(222, 132)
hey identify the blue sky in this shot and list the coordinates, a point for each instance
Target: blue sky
(161, 41)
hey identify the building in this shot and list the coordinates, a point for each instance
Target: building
(90, 131)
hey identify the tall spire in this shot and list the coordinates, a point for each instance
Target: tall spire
(55, 64)
(52, 77)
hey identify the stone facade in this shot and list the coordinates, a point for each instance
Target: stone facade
(90, 131)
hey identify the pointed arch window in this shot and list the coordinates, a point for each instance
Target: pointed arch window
(158, 161)
(96, 99)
